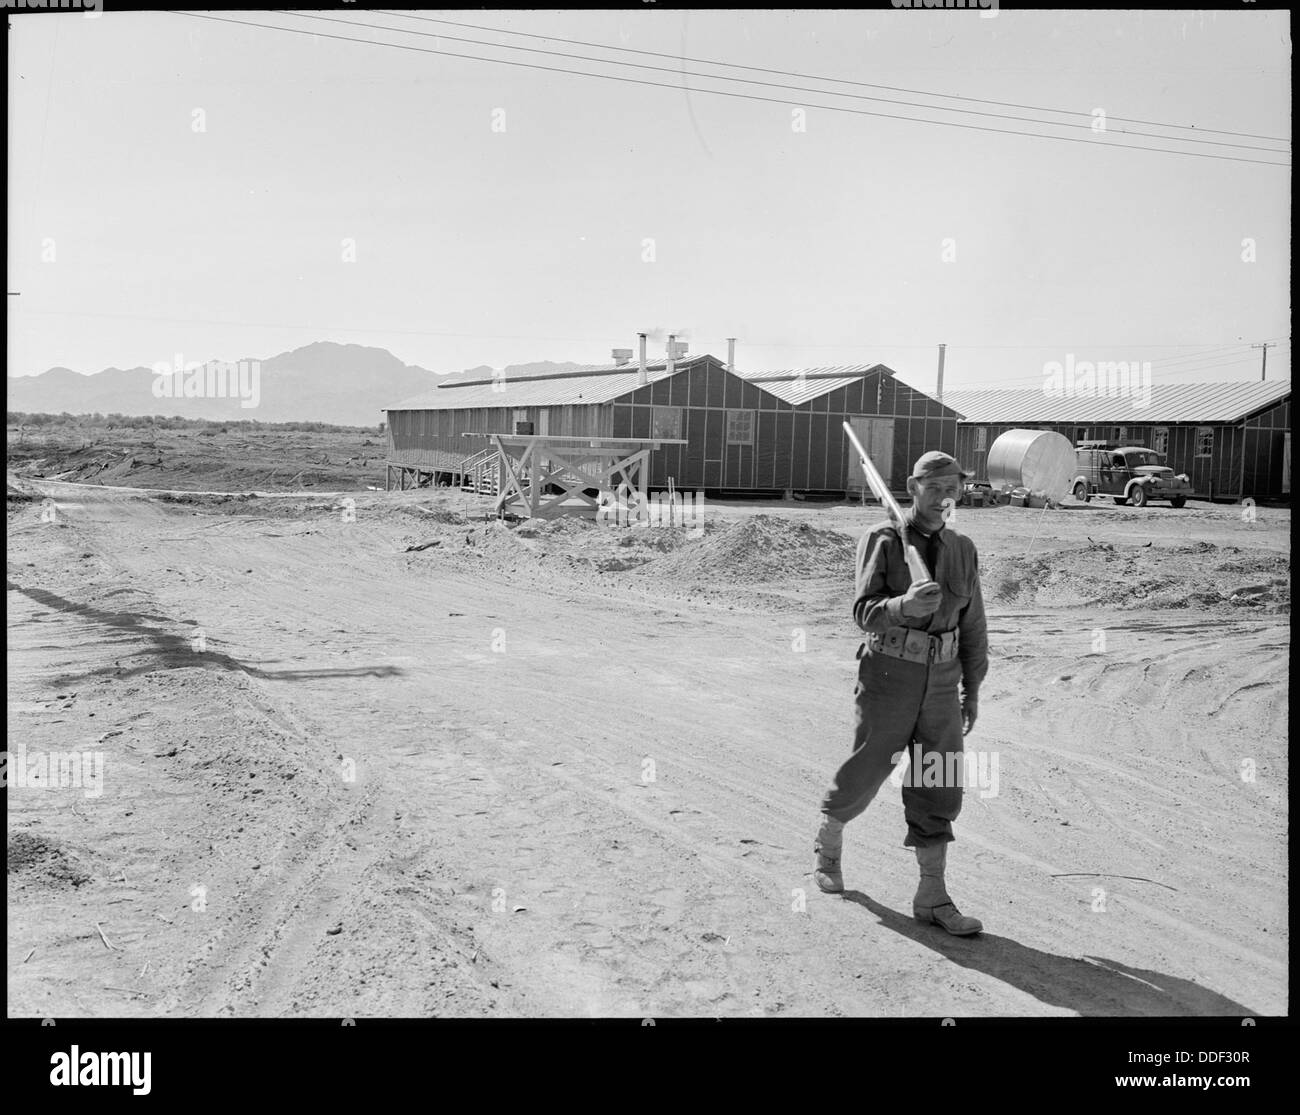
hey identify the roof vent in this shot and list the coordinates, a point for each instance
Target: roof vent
(621, 356)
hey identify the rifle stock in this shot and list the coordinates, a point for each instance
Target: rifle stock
(915, 563)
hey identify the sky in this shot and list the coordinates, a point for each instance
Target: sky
(223, 192)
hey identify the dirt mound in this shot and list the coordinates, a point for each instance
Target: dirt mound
(201, 499)
(565, 526)
(434, 515)
(1101, 574)
(760, 548)
(34, 859)
(1256, 563)
(545, 546)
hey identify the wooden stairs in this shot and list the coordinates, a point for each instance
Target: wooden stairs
(481, 473)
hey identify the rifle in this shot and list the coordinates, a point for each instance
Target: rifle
(915, 563)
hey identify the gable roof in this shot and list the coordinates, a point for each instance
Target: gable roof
(583, 387)
(603, 383)
(798, 385)
(1169, 402)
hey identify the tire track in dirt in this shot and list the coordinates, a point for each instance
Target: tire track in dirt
(765, 805)
(631, 907)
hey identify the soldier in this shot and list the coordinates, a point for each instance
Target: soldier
(922, 639)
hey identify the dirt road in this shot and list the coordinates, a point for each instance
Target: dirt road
(502, 776)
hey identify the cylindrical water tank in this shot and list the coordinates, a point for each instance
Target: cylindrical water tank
(1040, 460)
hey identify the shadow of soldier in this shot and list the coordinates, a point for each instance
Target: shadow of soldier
(1089, 985)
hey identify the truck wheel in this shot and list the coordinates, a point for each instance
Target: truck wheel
(1081, 492)
(1137, 496)
(1177, 501)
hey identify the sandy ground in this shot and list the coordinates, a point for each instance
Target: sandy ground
(572, 770)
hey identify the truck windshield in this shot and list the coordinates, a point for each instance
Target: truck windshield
(1139, 457)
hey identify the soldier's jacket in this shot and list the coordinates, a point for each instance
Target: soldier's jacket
(883, 578)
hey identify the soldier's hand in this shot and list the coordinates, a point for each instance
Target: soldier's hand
(970, 711)
(922, 599)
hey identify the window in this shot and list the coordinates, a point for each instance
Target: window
(981, 438)
(1121, 434)
(522, 425)
(1141, 457)
(1160, 440)
(1204, 441)
(666, 422)
(740, 427)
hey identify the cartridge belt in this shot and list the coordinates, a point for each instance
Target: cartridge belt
(913, 645)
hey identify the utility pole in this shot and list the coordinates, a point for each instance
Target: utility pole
(1263, 369)
(938, 391)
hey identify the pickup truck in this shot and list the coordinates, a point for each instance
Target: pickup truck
(1128, 474)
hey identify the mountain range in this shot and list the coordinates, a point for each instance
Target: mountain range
(346, 385)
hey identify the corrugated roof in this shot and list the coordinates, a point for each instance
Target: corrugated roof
(574, 388)
(602, 383)
(1169, 402)
(798, 385)
(559, 372)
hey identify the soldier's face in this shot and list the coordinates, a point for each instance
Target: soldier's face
(930, 496)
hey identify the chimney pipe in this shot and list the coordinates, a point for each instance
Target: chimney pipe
(672, 352)
(641, 378)
(731, 354)
(938, 391)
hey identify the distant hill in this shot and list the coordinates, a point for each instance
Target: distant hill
(322, 382)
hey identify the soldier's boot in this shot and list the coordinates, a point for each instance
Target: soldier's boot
(830, 846)
(932, 904)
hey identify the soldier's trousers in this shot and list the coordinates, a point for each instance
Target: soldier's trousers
(901, 703)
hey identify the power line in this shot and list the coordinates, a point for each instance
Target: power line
(1198, 363)
(815, 77)
(764, 84)
(1001, 383)
(973, 388)
(1195, 372)
(1155, 372)
(1263, 367)
(735, 96)
(1194, 358)
(1053, 344)
(1200, 366)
